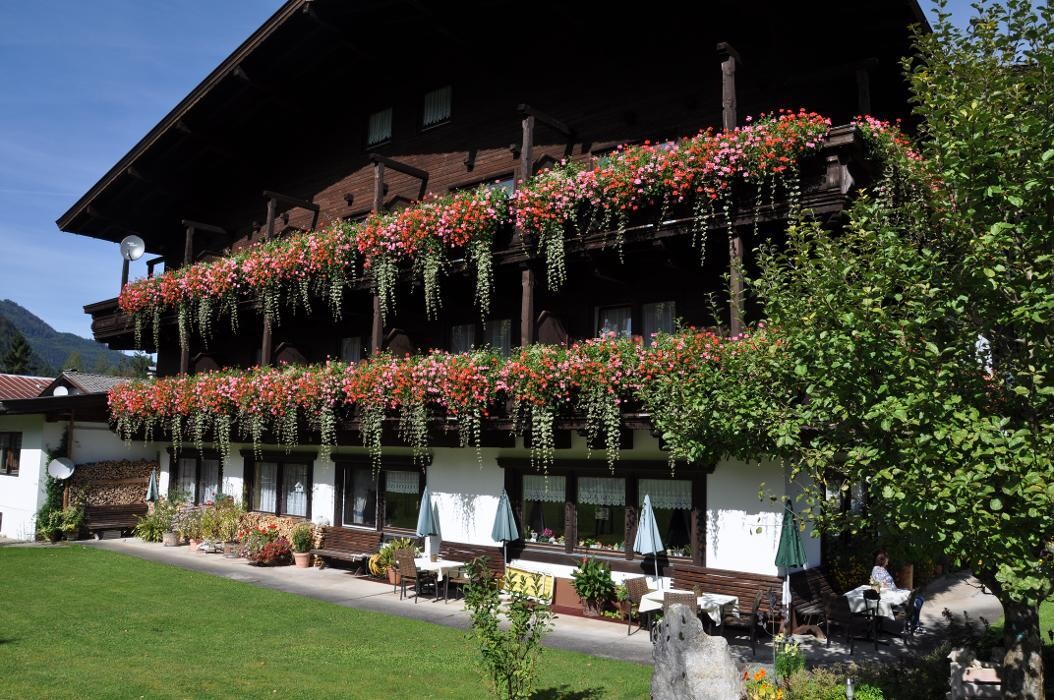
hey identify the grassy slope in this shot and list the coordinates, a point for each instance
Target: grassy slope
(83, 622)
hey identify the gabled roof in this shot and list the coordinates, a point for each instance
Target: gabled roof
(82, 383)
(16, 386)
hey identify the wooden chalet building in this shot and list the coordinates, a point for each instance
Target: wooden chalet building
(334, 109)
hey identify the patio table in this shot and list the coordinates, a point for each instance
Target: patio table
(889, 598)
(440, 566)
(713, 604)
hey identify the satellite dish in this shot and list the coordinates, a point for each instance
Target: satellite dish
(61, 468)
(132, 248)
(60, 391)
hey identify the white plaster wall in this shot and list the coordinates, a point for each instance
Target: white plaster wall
(233, 475)
(466, 493)
(742, 532)
(95, 442)
(322, 492)
(21, 496)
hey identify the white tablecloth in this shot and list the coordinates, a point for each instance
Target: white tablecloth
(440, 567)
(710, 603)
(889, 599)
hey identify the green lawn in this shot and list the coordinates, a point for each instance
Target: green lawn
(81, 622)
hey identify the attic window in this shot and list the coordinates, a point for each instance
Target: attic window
(436, 108)
(380, 127)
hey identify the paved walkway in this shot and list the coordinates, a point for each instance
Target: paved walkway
(960, 594)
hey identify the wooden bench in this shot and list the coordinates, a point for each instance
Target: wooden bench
(456, 551)
(347, 544)
(123, 517)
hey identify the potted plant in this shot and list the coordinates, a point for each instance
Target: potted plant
(188, 526)
(50, 525)
(593, 584)
(72, 521)
(230, 520)
(303, 537)
(386, 557)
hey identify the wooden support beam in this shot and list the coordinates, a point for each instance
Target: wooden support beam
(863, 89)
(398, 166)
(153, 263)
(527, 148)
(377, 326)
(729, 59)
(550, 121)
(188, 246)
(273, 198)
(527, 280)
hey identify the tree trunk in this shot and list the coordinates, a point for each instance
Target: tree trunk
(1023, 663)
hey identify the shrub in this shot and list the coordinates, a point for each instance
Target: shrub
(256, 539)
(303, 537)
(274, 553)
(592, 581)
(152, 526)
(818, 684)
(869, 692)
(510, 652)
(789, 658)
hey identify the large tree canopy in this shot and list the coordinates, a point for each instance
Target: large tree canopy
(914, 353)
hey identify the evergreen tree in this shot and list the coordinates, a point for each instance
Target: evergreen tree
(19, 356)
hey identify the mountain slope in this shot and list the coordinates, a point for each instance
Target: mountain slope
(54, 347)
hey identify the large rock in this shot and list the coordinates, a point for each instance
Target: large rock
(690, 664)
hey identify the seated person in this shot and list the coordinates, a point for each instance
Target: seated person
(881, 574)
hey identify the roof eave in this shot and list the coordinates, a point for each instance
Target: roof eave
(226, 68)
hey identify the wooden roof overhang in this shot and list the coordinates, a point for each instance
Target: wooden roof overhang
(276, 108)
(85, 407)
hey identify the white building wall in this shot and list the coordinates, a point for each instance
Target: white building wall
(743, 531)
(466, 492)
(21, 496)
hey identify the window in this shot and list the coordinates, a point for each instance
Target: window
(600, 512)
(658, 318)
(281, 487)
(10, 453)
(360, 496)
(379, 129)
(615, 319)
(543, 507)
(437, 106)
(351, 349)
(671, 501)
(462, 337)
(498, 335)
(506, 183)
(196, 478)
(402, 499)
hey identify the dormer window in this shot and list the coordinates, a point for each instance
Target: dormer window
(379, 129)
(437, 107)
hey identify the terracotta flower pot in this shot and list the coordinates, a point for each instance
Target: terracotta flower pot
(302, 559)
(194, 545)
(393, 576)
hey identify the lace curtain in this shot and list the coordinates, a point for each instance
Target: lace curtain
(601, 491)
(295, 486)
(666, 493)
(545, 489)
(401, 482)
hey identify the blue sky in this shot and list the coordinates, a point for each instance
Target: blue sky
(80, 84)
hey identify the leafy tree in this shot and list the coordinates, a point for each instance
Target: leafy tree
(910, 352)
(73, 362)
(137, 366)
(19, 356)
(102, 366)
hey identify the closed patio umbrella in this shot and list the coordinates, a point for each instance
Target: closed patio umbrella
(427, 518)
(504, 529)
(151, 487)
(648, 540)
(791, 552)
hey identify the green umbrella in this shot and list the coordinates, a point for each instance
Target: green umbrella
(791, 552)
(151, 487)
(504, 529)
(427, 518)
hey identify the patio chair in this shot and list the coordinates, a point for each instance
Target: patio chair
(751, 622)
(839, 613)
(636, 589)
(458, 579)
(404, 559)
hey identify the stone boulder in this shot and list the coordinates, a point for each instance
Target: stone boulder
(690, 664)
